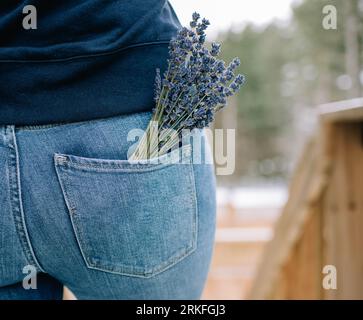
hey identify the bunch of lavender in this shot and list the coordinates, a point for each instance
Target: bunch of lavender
(194, 87)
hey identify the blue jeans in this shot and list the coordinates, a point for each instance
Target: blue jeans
(72, 207)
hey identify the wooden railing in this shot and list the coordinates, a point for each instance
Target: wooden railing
(322, 222)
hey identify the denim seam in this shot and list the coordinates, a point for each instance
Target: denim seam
(72, 211)
(161, 268)
(16, 202)
(116, 168)
(101, 266)
(196, 210)
(38, 126)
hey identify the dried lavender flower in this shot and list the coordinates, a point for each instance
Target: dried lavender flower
(194, 87)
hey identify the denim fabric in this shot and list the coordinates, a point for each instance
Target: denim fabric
(72, 206)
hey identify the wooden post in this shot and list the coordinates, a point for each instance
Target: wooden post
(322, 221)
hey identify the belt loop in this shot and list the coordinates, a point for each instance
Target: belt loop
(2, 135)
(7, 137)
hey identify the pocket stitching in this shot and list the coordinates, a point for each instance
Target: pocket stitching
(103, 165)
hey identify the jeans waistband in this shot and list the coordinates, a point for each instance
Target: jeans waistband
(64, 124)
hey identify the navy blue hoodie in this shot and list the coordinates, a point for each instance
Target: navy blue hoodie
(87, 59)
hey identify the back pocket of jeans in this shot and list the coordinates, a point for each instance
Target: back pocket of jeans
(136, 219)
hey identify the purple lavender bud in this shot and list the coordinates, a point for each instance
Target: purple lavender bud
(236, 62)
(215, 49)
(228, 92)
(229, 75)
(237, 83)
(201, 27)
(195, 38)
(240, 79)
(233, 86)
(183, 32)
(195, 16)
(220, 66)
(157, 85)
(205, 22)
(188, 45)
(203, 52)
(193, 24)
(200, 113)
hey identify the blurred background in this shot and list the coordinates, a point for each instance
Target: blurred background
(267, 213)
